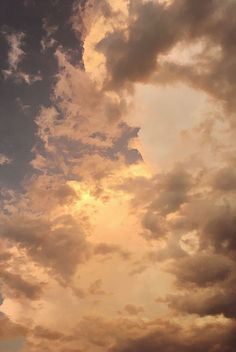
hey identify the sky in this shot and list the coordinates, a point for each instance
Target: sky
(117, 176)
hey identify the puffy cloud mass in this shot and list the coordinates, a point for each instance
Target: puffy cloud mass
(120, 236)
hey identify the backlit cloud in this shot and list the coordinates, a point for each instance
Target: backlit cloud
(117, 183)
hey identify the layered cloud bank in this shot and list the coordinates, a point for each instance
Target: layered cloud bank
(120, 236)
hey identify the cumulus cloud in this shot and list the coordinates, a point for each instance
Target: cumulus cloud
(132, 57)
(168, 337)
(203, 303)
(58, 246)
(134, 54)
(83, 105)
(9, 329)
(89, 185)
(130, 335)
(18, 287)
(159, 196)
(201, 269)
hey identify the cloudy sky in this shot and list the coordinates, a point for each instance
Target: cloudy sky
(117, 176)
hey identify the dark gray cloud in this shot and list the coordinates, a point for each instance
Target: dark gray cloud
(219, 232)
(168, 338)
(133, 58)
(106, 249)
(205, 278)
(161, 195)
(173, 188)
(213, 302)
(201, 270)
(225, 179)
(154, 29)
(58, 247)
(129, 335)
(17, 286)
(198, 227)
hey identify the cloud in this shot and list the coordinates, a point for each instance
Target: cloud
(9, 329)
(128, 335)
(17, 287)
(132, 309)
(95, 288)
(104, 249)
(4, 159)
(47, 334)
(202, 269)
(83, 123)
(89, 185)
(225, 179)
(219, 232)
(174, 190)
(203, 303)
(168, 337)
(83, 103)
(15, 55)
(57, 246)
(138, 51)
(132, 56)
(159, 196)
